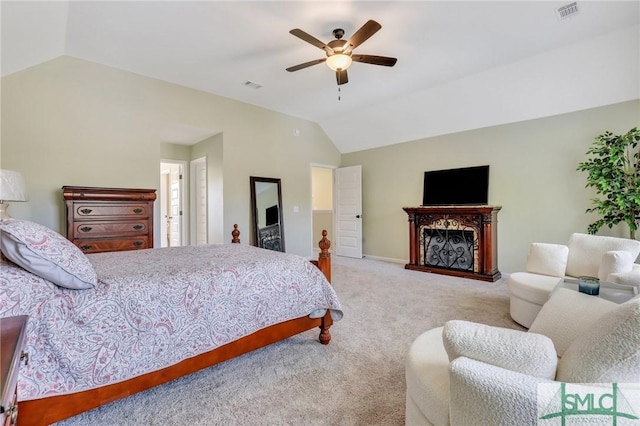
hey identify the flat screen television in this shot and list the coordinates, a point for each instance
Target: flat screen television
(464, 186)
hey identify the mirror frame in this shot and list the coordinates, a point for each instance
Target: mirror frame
(254, 208)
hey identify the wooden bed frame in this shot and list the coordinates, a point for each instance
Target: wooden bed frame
(52, 409)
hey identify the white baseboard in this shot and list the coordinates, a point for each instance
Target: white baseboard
(368, 256)
(387, 259)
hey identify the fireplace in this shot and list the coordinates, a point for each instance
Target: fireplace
(448, 248)
(454, 240)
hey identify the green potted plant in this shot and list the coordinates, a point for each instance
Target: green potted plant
(614, 171)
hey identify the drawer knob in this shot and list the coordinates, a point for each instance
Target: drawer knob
(138, 243)
(86, 228)
(24, 356)
(138, 227)
(138, 210)
(86, 211)
(86, 247)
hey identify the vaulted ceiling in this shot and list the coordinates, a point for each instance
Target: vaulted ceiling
(461, 65)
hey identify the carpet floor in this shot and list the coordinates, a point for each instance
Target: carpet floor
(358, 379)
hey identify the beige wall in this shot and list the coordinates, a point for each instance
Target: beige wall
(532, 176)
(322, 188)
(73, 122)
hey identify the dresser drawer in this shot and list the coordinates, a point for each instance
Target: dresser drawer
(110, 229)
(109, 210)
(112, 244)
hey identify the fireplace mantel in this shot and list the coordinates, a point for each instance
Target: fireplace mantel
(454, 240)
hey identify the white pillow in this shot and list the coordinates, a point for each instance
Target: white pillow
(514, 350)
(547, 259)
(46, 253)
(569, 314)
(614, 262)
(609, 352)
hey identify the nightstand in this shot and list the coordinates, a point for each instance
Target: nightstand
(12, 340)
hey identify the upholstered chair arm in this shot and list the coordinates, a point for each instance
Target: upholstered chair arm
(529, 353)
(483, 394)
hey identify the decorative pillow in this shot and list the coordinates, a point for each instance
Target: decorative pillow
(46, 253)
(514, 350)
(547, 259)
(615, 262)
(569, 314)
(609, 353)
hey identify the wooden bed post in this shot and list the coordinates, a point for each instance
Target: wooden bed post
(235, 234)
(324, 259)
(325, 333)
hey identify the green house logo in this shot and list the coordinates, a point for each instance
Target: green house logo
(599, 406)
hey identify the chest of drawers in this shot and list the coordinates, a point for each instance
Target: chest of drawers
(109, 219)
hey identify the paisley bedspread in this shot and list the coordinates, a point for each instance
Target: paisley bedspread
(154, 308)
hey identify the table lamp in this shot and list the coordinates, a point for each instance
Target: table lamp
(12, 188)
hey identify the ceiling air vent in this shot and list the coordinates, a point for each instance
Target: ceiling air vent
(252, 85)
(567, 11)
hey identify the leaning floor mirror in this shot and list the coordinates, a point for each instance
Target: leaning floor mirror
(266, 205)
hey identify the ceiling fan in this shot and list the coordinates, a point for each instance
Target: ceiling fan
(340, 52)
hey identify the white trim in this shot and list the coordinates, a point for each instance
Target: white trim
(387, 259)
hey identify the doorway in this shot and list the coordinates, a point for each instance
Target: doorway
(171, 199)
(321, 203)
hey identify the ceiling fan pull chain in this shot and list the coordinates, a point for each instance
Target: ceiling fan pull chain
(338, 92)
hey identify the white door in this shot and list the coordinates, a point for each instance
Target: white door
(199, 231)
(348, 196)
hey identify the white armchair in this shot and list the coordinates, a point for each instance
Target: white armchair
(470, 374)
(608, 258)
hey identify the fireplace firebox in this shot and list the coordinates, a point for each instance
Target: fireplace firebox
(454, 240)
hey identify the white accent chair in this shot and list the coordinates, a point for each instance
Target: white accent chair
(473, 374)
(607, 258)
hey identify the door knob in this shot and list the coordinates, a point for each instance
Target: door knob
(358, 216)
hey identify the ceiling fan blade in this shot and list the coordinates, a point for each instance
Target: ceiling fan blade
(367, 30)
(306, 64)
(311, 39)
(375, 60)
(341, 77)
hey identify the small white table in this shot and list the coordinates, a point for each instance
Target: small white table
(613, 292)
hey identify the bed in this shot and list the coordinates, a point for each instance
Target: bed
(127, 321)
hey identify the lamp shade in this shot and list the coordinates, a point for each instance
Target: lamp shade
(338, 61)
(12, 187)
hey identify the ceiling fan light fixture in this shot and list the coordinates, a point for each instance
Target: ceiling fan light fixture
(339, 61)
